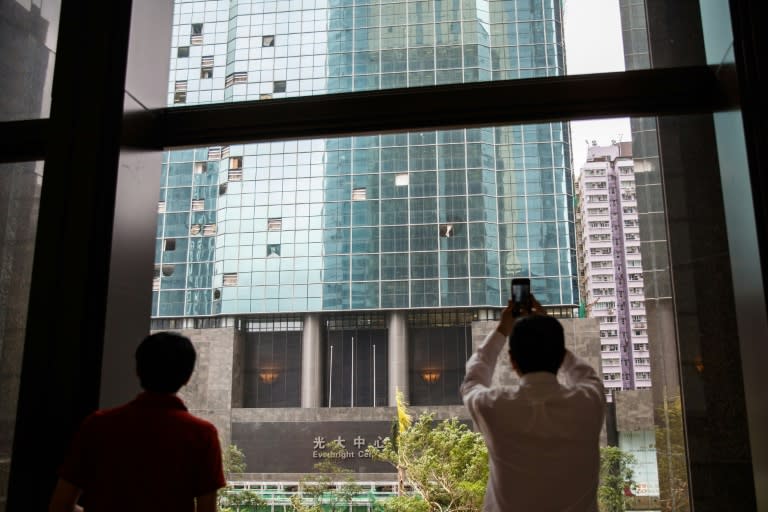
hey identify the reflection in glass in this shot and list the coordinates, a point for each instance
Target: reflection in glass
(28, 34)
(438, 355)
(20, 195)
(331, 47)
(272, 369)
(357, 367)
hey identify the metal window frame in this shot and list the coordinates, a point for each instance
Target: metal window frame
(654, 92)
(74, 362)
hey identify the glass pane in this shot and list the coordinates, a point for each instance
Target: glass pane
(438, 356)
(225, 51)
(272, 372)
(357, 362)
(28, 34)
(19, 196)
(436, 224)
(218, 250)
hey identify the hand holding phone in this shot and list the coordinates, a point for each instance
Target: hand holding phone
(521, 294)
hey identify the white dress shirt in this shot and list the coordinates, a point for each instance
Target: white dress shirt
(542, 436)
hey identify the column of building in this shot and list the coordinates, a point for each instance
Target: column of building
(312, 369)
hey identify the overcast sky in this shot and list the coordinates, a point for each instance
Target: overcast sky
(593, 45)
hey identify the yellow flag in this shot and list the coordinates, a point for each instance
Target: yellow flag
(403, 418)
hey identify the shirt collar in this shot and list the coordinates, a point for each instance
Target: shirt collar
(165, 400)
(538, 379)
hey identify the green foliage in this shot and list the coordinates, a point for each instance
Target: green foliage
(616, 475)
(236, 500)
(405, 504)
(320, 489)
(445, 462)
(230, 499)
(233, 460)
(298, 504)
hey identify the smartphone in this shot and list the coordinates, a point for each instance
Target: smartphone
(521, 292)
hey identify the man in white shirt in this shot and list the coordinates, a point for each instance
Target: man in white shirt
(542, 436)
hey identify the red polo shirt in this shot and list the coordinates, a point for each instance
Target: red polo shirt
(147, 455)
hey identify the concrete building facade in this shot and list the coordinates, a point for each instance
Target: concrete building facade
(281, 443)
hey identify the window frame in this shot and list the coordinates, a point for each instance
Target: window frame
(696, 90)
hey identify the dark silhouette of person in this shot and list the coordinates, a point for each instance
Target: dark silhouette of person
(149, 454)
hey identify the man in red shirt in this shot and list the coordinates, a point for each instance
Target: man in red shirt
(149, 454)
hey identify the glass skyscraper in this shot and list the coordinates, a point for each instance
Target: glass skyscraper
(428, 220)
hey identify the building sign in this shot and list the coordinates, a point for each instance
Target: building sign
(272, 447)
(321, 448)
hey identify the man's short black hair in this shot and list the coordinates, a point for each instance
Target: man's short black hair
(537, 344)
(164, 362)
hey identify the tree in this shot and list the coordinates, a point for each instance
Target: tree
(237, 500)
(401, 423)
(616, 478)
(233, 460)
(229, 498)
(323, 488)
(405, 504)
(445, 462)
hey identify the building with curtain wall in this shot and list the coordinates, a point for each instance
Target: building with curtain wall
(332, 273)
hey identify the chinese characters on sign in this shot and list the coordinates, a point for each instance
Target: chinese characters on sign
(320, 443)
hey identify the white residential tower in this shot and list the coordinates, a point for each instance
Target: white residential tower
(608, 241)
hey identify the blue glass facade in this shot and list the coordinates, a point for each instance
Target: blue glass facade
(419, 220)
